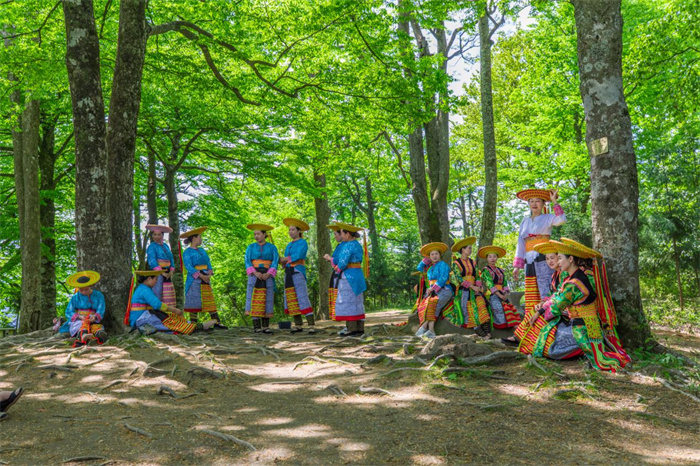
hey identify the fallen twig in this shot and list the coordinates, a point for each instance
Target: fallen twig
(533, 361)
(112, 384)
(59, 367)
(336, 390)
(80, 459)
(138, 430)
(374, 391)
(230, 438)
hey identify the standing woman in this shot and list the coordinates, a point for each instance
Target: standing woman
(198, 293)
(439, 293)
(333, 285)
(296, 292)
(261, 260)
(535, 229)
(349, 303)
(159, 257)
(473, 312)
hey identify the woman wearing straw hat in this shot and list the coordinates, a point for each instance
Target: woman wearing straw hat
(534, 229)
(149, 314)
(160, 257)
(472, 311)
(199, 296)
(577, 297)
(333, 285)
(261, 261)
(494, 278)
(349, 303)
(439, 294)
(86, 309)
(296, 293)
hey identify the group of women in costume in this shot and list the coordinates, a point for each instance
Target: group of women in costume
(152, 304)
(568, 310)
(568, 307)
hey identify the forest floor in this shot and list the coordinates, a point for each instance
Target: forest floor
(300, 399)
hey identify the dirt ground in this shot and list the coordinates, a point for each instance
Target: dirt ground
(298, 399)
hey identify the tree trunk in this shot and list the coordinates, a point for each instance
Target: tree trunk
(488, 214)
(47, 214)
(323, 244)
(18, 156)
(138, 242)
(614, 185)
(170, 186)
(677, 263)
(152, 190)
(372, 222)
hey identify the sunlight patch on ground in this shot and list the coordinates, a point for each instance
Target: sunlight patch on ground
(345, 444)
(428, 459)
(274, 421)
(92, 378)
(517, 390)
(300, 432)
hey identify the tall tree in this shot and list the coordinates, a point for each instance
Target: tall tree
(614, 186)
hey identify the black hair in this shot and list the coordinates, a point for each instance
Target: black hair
(188, 240)
(354, 234)
(578, 261)
(141, 278)
(464, 247)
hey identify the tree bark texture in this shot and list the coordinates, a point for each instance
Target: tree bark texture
(170, 185)
(47, 214)
(152, 190)
(488, 219)
(614, 184)
(323, 244)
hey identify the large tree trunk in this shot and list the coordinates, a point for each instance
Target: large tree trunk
(323, 244)
(152, 190)
(488, 218)
(170, 185)
(18, 156)
(27, 184)
(614, 185)
(47, 214)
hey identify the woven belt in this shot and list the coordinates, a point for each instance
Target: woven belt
(299, 262)
(140, 307)
(355, 265)
(163, 264)
(201, 267)
(534, 240)
(582, 311)
(261, 263)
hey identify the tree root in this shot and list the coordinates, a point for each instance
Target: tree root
(59, 367)
(112, 384)
(203, 371)
(229, 438)
(374, 391)
(531, 360)
(668, 385)
(400, 369)
(336, 390)
(82, 459)
(497, 357)
(307, 360)
(138, 430)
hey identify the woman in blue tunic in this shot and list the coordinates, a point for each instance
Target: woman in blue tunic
(296, 292)
(349, 303)
(86, 309)
(439, 293)
(198, 293)
(159, 257)
(149, 314)
(261, 261)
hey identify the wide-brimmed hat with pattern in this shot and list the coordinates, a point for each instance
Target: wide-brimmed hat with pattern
(574, 248)
(547, 247)
(259, 227)
(527, 194)
(295, 222)
(348, 227)
(83, 279)
(196, 231)
(161, 228)
(486, 250)
(426, 249)
(468, 241)
(591, 252)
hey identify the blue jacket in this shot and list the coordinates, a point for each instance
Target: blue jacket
(439, 272)
(350, 252)
(191, 258)
(143, 294)
(157, 252)
(266, 252)
(296, 250)
(95, 301)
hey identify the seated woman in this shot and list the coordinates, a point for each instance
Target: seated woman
(149, 314)
(470, 306)
(577, 297)
(86, 309)
(439, 294)
(557, 335)
(494, 279)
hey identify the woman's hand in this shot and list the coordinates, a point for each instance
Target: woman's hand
(327, 257)
(553, 195)
(534, 317)
(516, 273)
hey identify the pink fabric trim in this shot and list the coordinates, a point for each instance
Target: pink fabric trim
(98, 318)
(506, 290)
(435, 288)
(427, 261)
(250, 270)
(494, 289)
(336, 268)
(158, 268)
(272, 271)
(547, 306)
(479, 283)
(74, 317)
(196, 275)
(466, 284)
(558, 210)
(289, 258)
(519, 263)
(172, 269)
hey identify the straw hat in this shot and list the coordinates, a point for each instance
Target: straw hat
(548, 247)
(333, 226)
(161, 228)
(468, 241)
(295, 222)
(592, 252)
(259, 227)
(486, 250)
(574, 248)
(348, 227)
(83, 279)
(527, 194)
(196, 231)
(430, 247)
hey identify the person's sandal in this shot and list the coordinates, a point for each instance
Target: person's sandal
(267, 330)
(3, 416)
(509, 342)
(311, 331)
(12, 399)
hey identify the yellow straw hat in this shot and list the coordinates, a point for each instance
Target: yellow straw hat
(348, 227)
(259, 227)
(295, 222)
(527, 194)
(161, 228)
(468, 241)
(196, 231)
(148, 273)
(592, 252)
(430, 247)
(486, 250)
(83, 279)
(333, 226)
(546, 248)
(574, 248)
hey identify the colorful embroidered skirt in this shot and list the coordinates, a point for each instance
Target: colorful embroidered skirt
(505, 315)
(199, 297)
(332, 295)
(474, 317)
(165, 291)
(83, 326)
(260, 297)
(348, 305)
(538, 277)
(165, 322)
(432, 306)
(296, 294)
